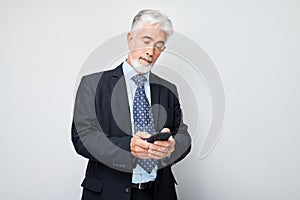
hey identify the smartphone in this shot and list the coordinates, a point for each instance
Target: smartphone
(163, 136)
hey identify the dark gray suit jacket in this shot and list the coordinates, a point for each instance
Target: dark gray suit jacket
(101, 132)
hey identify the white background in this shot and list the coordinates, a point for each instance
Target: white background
(254, 45)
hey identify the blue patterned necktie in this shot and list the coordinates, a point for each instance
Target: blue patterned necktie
(143, 118)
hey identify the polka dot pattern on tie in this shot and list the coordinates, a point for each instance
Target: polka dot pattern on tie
(143, 117)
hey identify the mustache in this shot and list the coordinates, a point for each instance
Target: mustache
(148, 59)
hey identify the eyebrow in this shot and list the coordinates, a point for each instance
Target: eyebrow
(150, 38)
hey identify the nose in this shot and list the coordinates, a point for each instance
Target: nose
(150, 51)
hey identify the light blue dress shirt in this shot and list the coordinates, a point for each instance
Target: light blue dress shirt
(139, 174)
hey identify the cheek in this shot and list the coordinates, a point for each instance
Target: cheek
(136, 54)
(155, 56)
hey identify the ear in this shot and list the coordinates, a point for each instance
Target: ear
(129, 39)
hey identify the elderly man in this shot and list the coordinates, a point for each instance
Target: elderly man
(117, 110)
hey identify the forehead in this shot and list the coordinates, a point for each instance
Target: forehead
(152, 31)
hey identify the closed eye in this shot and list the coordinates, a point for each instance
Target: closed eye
(146, 41)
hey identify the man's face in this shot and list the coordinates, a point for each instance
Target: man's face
(145, 46)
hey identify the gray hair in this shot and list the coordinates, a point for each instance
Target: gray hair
(150, 16)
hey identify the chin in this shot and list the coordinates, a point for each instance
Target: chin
(140, 68)
(144, 69)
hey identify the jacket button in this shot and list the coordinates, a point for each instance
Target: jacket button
(127, 189)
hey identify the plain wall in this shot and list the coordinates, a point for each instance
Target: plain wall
(253, 44)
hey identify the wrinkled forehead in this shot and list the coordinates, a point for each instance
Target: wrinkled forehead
(151, 31)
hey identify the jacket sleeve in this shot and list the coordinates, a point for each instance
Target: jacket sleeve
(88, 138)
(180, 133)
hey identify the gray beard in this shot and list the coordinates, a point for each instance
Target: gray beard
(141, 69)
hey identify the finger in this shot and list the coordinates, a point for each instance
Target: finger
(163, 143)
(165, 130)
(161, 149)
(142, 143)
(157, 155)
(140, 153)
(138, 149)
(171, 139)
(142, 135)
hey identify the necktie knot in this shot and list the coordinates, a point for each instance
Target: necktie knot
(139, 80)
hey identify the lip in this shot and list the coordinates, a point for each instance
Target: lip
(145, 60)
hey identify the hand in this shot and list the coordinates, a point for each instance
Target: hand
(138, 146)
(162, 149)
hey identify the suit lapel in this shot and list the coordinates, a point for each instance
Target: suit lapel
(155, 94)
(120, 105)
